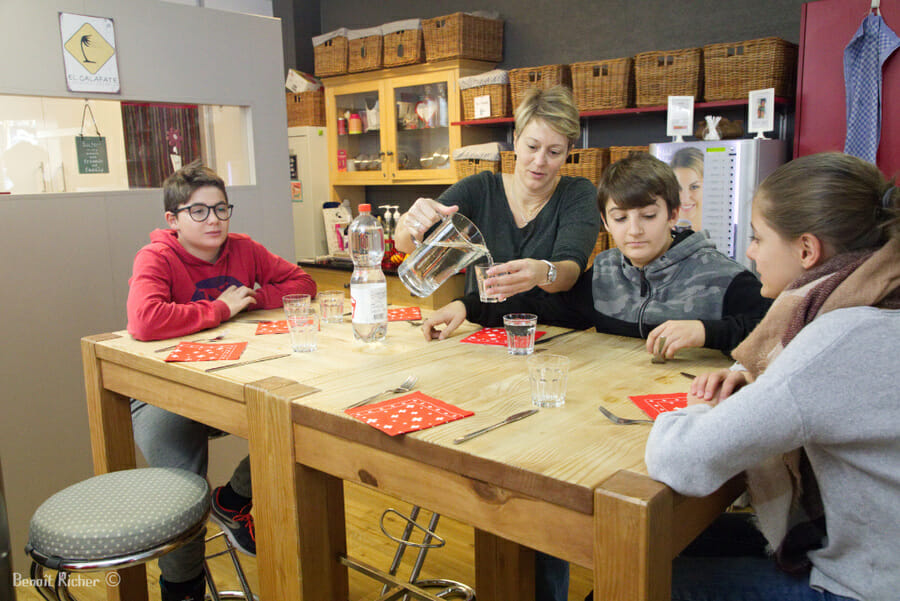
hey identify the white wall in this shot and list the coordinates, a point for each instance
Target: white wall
(65, 259)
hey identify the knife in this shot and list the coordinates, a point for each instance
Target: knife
(512, 418)
(549, 338)
(239, 363)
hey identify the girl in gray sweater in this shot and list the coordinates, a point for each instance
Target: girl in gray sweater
(813, 422)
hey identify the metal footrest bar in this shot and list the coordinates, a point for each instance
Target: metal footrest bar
(394, 588)
(214, 594)
(398, 589)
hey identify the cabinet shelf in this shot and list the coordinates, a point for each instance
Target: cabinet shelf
(779, 101)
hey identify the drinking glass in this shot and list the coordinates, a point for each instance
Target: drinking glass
(520, 329)
(548, 375)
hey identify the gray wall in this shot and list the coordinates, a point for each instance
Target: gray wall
(550, 32)
(66, 258)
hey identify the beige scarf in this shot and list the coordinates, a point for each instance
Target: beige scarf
(783, 490)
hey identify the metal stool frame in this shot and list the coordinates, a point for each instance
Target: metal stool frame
(394, 588)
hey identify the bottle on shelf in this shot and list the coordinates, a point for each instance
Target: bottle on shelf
(368, 287)
(443, 119)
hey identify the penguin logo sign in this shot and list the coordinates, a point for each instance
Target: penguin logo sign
(89, 53)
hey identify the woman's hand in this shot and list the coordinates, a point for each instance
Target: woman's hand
(513, 277)
(413, 224)
(714, 387)
(680, 334)
(450, 315)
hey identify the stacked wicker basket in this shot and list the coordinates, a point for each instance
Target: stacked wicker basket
(407, 42)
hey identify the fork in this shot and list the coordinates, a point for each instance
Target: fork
(622, 421)
(406, 386)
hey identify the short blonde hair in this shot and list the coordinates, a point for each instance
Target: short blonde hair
(555, 106)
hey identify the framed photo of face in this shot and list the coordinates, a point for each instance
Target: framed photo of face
(761, 112)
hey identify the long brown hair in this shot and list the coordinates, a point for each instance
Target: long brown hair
(844, 201)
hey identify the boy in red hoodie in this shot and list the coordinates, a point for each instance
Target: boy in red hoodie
(191, 277)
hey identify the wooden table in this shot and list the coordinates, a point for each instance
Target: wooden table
(564, 481)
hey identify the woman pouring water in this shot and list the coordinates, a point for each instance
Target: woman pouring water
(539, 227)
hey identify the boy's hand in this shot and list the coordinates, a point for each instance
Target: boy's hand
(679, 334)
(237, 298)
(714, 387)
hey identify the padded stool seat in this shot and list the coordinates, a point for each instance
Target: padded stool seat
(118, 514)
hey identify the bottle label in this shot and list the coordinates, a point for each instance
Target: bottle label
(369, 302)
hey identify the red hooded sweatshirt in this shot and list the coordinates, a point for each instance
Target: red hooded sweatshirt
(173, 293)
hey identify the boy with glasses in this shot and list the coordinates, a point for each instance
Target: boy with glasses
(191, 277)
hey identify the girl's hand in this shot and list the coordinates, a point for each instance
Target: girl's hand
(679, 334)
(513, 277)
(715, 387)
(449, 315)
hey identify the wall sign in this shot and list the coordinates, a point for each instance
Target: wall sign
(89, 53)
(91, 151)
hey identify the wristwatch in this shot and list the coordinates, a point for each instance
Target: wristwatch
(551, 272)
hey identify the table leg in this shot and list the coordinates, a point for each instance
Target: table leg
(633, 539)
(112, 445)
(299, 512)
(504, 570)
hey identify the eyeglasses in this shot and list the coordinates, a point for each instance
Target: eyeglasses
(200, 212)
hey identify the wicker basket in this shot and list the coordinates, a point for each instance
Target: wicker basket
(405, 46)
(547, 76)
(733, 70)
(507, 161)
(617, 153)
(601, 85)
(330, 53)
(364, 51)
(463, 36)
(586, 162)
(306, 108)
(499, 94)
(659, 75)
(467, 167)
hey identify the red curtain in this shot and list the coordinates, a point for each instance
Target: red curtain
(153, 132)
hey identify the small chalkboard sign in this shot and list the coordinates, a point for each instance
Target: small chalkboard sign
(91, 151)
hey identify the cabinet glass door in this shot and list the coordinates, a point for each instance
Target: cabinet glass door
(359, 132)
(423, 133)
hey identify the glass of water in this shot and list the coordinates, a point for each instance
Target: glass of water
(520, 329)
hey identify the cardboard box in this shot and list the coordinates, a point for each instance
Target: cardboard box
(298, 82)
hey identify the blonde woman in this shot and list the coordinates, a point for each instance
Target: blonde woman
(539, 227)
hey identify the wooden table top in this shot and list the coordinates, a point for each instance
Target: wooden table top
(560, 454)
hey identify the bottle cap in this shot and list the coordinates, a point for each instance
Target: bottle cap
(365, 208)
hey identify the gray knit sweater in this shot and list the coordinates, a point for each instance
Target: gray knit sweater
(834, 390)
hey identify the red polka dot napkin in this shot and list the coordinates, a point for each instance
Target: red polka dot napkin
(404, 314)
(494, 336)
(197, 351)
(654, 404)
(272, 327)
(407, 413)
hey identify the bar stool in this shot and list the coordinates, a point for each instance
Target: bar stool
(434, 589)
(118, 520)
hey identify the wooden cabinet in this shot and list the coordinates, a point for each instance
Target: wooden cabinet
(395, 126)
(338, 279)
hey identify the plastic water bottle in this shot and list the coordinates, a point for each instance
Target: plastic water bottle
(368, 288)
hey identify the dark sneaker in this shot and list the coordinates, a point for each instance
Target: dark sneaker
(236, 524)
(194, 590)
